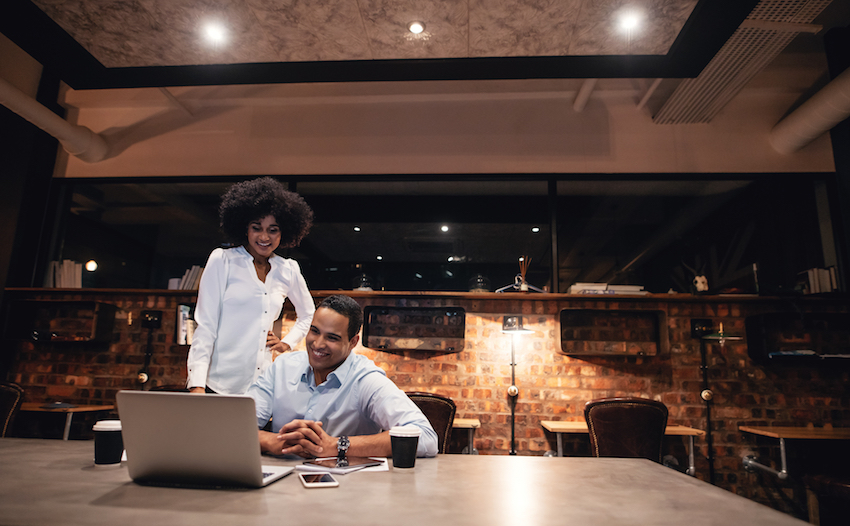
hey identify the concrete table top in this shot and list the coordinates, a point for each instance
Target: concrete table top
(55, 482)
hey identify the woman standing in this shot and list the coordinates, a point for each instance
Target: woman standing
(243, 288)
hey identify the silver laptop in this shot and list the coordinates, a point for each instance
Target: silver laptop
(193, 440)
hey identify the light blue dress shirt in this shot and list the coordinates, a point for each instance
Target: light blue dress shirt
(356, 399)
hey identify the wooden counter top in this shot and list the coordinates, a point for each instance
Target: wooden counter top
(581, 427)
(804, 433)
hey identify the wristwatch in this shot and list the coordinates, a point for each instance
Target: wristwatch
(342, 446)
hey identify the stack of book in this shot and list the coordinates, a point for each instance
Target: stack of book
(65, 274)
(604, 288)
(190, 281)
(185, 324)
(818, 280)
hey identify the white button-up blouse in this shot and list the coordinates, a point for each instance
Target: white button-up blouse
(234, 313)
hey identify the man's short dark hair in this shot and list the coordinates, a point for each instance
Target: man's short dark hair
(348, 308)
(257, 198)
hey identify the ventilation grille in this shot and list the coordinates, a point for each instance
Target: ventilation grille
(745, 54)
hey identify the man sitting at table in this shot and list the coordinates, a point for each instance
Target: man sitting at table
(329, 398)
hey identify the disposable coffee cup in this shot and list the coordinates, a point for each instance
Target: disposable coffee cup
(108, 443)
(404, 440)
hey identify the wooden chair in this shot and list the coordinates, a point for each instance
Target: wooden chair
(11, 398)
(440, 411)
(626, 427)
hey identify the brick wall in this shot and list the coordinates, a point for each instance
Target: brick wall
(552, 385)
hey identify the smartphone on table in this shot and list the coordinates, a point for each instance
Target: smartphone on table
(317, 480)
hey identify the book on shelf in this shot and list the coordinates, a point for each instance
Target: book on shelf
(588, 288)
(65, 274)
(626, 289)
(191, 279)
(186, 324)
(604, 288)
(818, 280)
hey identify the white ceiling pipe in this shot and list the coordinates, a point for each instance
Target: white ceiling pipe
(77, 140)
(816, 116)
(584, 94)
(649, 93)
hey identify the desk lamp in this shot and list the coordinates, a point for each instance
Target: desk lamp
(513, 326)
(706, 394)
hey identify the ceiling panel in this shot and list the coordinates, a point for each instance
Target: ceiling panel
(136, 43)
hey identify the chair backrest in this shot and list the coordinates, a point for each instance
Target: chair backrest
(626, 427)
(11, 398)
(440, 411)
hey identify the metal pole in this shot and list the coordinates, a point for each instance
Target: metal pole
(513, 397)
(553, 235)
(706, 395)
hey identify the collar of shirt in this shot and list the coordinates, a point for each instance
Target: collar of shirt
(274, 259)
(336, 378)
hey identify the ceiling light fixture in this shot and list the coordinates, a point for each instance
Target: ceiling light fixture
(444, 228)
(357, 229)
(630, 20)
(379, 258)
(416, 27)
(215, 33)
(535, 229)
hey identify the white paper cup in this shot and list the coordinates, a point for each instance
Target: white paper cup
(108, 443)
(404, 441)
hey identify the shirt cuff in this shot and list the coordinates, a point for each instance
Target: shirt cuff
(197, 376)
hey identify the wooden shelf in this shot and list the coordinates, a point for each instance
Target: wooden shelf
(513, 296)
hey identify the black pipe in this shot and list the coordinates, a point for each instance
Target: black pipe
(706, 397)
(144, 372)
(513, 394)
(513, 436)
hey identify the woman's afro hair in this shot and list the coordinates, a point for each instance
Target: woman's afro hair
(255, 199)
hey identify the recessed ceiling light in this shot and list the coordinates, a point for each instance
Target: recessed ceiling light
(91, 265)
(416, 27)
(535, 229)
(630, 20)
(451, 258)
(379, 258)
(357, 229)
(215, 33)
(444, 228)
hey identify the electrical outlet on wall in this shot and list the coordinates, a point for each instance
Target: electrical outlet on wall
(151, 319)
(700, 327)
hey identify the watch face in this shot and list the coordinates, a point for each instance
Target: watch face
(343, 443)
